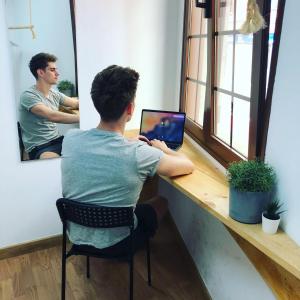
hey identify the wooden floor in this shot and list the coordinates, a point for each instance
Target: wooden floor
(37, 275)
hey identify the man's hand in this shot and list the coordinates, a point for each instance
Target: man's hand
(141, 138)
(160, 145)
(71, 102)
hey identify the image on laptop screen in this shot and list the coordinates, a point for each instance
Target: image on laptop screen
(166, 126)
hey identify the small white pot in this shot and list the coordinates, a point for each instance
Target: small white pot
(269, 226)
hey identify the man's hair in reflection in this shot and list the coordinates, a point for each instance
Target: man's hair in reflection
(40, 61)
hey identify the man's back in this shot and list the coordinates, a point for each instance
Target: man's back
(102, 167)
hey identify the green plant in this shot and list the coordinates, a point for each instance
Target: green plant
(272, 210)
(65, 85)
(251, 176)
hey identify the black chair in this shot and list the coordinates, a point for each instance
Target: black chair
(21, 144)
(97, 217)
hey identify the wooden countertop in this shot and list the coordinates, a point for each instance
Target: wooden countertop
(208, 188)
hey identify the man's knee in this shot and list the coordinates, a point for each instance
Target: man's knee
(48, 154)
(160, 205)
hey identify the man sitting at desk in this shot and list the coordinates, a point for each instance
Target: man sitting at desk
(101, 166)
(39, 110)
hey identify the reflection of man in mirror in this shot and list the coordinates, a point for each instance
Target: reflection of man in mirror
(39, 110)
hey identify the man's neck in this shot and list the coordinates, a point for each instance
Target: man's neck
(118, 127)
(43, 87)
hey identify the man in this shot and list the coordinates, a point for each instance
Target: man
(101, 166)
(39, 110)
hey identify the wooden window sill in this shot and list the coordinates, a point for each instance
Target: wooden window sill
(208, 188)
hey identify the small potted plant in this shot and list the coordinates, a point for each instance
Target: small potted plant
(66, 87)
(251, 185)
(271, 217)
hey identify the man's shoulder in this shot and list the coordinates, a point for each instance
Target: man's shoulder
(74, 132)
(29, 92)
(55, 93)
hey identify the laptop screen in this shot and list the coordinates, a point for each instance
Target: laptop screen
(167, 126)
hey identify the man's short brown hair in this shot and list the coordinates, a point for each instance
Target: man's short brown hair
(40, 61)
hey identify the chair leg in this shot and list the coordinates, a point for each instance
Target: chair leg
(63, 266)
(63, 278)
(131, 278)
(88, 267)
(148, 262)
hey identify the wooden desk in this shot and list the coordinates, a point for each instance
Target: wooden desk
(276, 257)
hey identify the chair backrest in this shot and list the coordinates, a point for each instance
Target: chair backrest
(21, 144)
(95, 216)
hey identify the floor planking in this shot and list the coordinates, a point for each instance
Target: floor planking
(36, 275)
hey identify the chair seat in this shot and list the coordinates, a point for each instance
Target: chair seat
(92, 251)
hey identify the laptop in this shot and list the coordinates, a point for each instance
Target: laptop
(167, 126)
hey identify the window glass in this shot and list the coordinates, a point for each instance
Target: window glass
(243, 64)
(193, 58)
(225, 15)
(224, 53)
(223, 117)
(201, 89)
(191, 99)
(240, 128)
(202, 71)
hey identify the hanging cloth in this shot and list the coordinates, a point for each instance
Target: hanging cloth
(254, 21)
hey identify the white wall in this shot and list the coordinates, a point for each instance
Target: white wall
(52, 25)
(29, 190)
(140, 34)
(283, 139)
(224, 268)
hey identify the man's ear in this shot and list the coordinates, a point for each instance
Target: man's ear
(130, 108)
(40, 72)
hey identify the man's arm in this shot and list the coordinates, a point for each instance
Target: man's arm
(172, 163)
(54, 116)
(71, 102)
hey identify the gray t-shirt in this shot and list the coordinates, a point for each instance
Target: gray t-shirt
(104, 168)
(38, 130)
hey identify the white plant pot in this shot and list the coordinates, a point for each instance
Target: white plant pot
(269, 226)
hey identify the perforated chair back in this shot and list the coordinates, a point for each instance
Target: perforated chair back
(90, 215)
(95, 216)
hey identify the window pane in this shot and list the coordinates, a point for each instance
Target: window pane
(274, 5)
(224, 62)
(190, 99)
(223, 117)
(224, 15)
(198, 23)
(240, 130)
(241, 13)
(200, 104)
(243, 64)
(193, 58)
(202, 60)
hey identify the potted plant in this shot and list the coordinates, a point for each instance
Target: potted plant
(271, 217)
(66, 87)
(251, 185)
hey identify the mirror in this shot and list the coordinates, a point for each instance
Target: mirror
(46, 102)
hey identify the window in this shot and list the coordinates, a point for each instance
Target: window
(224, 78)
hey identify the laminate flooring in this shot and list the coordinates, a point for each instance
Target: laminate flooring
(37, 275)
